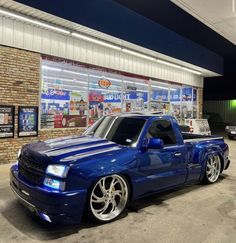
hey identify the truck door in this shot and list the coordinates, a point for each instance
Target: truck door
(166, 167)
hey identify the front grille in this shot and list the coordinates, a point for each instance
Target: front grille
(31, 169)
(31, 176)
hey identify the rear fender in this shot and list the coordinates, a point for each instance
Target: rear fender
(206, 153)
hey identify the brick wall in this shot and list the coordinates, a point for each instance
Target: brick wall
(19, 85)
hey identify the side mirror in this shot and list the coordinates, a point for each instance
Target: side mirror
(155, 143)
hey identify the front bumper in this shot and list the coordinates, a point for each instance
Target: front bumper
(52, 206)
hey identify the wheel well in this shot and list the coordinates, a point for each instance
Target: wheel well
(222, 162)
(128, 178)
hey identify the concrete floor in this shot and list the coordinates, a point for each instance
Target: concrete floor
(191, 214)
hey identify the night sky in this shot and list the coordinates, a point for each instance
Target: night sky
(164, 13)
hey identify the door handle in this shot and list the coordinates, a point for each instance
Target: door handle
(177, 154)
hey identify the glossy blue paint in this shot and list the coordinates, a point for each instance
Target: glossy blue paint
(148, 170)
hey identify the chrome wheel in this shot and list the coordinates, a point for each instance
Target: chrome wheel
(108, 198)
(213, 168)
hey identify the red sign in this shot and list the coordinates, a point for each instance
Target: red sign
(104, 83)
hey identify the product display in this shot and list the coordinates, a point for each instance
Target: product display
(7, 121)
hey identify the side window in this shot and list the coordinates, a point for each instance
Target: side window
(162, 129)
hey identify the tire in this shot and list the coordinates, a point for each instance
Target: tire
(212, 169)
(108, 198)
(230, 137)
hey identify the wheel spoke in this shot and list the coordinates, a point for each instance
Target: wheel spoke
(97, 199)
(102, 185)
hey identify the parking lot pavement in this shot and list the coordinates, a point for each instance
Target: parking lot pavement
(191, 214)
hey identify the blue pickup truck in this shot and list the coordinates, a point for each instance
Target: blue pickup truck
(119, 159)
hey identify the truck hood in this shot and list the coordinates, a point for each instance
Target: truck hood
(72, 149)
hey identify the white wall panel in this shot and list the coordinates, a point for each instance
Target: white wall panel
(22, 35)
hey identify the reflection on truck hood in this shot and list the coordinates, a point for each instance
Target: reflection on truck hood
(73, 148)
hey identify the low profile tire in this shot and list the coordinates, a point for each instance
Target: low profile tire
(213, 169)
(108, 198)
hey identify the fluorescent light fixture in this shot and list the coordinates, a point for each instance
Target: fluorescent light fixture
(68, 85)
(140, 84)
(96, 41)
(65, 79)
(101, 77)
(169, 64)
(128, 82)
(192, 71)
(73, 72)
(159, 87)
(138, 54)
(32, 21)
(51, 68)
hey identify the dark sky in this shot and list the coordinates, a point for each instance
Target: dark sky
(163, 12)
(171, 16)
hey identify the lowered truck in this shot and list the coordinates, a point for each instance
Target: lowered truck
(118, 159)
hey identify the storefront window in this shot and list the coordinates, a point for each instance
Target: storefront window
(105, 94)
(74, 95)
(63, 96)
(159, 98)
(135, 94)
(187, 102)
(175, 102)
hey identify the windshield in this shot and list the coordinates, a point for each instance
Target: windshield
(121, 130)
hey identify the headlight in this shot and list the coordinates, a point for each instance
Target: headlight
(54, 184)
(227, 127)
(58, 170)
(19, 154)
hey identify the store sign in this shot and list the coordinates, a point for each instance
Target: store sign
(55, 94)
(7, 121)
(117, 97)
(27, 121)
(104, 83)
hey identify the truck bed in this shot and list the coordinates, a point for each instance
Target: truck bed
(189, 137)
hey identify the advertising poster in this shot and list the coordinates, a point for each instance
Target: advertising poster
(27, 121)
(7, 121)
(62, 109)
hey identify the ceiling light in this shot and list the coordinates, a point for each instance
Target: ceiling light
(65, 79)
(73, 72)
(159, 87)
(168, 64)
(191, 70)
(32, 21)
(96, 76)
(138, 54)
(51, 68)
(96, 41)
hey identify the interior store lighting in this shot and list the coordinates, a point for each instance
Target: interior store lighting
(101, 77)
(65, 79)
(96, 41)
(51, 68)
(32, 21)
(73, 72)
